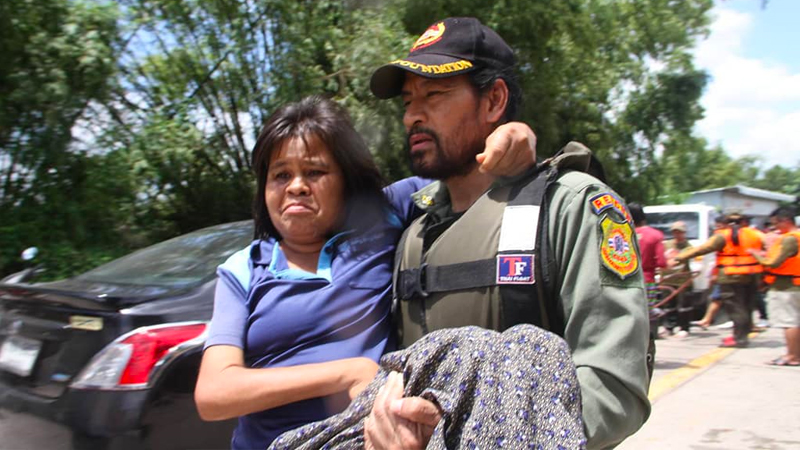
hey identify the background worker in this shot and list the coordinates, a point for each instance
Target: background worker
(714, 303)
(677, 275)
(457, 84)
(758, 302)
(782, 275)
(738, 271)
(651, 247)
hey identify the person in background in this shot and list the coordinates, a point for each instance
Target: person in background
(782, 275)
(457, 84)
(651, 246)
(677, 275)
(714, 303)
(302, 315)
(738, 271)
(758, 302)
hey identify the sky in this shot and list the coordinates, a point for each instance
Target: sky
(752, 101)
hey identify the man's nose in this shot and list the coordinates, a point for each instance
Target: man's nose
(413, 115)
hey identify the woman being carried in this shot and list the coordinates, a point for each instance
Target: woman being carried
(302, 314)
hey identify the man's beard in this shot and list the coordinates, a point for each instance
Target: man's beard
(442, 165)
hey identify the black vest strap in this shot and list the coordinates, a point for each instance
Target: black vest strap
(430, 279)
(534, 303)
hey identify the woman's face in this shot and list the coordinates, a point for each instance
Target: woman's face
(304, 192)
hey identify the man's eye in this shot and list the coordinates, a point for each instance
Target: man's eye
(433, 93)
(315, 173)
(281, 176)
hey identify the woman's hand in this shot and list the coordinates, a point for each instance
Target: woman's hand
(362, 373)
(510, 150)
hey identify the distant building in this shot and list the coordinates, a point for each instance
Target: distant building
(753, 202)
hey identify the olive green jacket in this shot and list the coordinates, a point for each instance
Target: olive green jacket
(606, 320)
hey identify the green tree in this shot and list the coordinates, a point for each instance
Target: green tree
(58, 58)
(198, 79)
(616, 75)
(170, 138)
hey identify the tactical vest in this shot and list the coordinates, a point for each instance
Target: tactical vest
(735, 259)
(488, 269)
(492, 267)
(789, 269)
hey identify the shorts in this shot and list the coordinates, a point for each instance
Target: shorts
(783, 308)
(652, 292)
(714, 296)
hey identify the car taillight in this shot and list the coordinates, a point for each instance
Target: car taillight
(129, 361)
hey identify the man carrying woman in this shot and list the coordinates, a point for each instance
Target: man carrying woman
(303, 314)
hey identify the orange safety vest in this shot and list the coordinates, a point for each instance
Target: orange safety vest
(735, 259)
(789, 268)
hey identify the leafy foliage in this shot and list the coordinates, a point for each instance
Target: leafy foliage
(122, 124)
(58, 57)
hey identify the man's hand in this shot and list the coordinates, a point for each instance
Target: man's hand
(510, 150)
(398, 423)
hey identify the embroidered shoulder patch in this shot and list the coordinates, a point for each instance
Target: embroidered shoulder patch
(617, 249)
(605, 201)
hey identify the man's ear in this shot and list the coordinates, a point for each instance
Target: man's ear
(496, 99)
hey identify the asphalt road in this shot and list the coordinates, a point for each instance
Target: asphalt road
(24, 431)
(708, 398)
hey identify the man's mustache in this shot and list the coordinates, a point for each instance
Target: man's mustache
(421, 130)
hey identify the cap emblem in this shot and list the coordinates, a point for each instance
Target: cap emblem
(431, 36)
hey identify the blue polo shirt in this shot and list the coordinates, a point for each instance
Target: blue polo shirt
(284, 317)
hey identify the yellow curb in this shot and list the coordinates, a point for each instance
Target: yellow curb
(679, 376)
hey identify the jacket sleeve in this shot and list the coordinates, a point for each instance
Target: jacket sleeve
(398, 194)
(714, 244)
(607, 325)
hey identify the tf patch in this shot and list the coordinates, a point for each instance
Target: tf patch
(617, 249)
(515, 269)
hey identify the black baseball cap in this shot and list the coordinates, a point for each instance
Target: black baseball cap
(449, 47)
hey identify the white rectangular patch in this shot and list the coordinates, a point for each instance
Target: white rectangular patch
(518, 231)
(18, 355)
(86, 323)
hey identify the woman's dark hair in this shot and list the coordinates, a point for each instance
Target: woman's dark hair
(484, 77)
(321, 118)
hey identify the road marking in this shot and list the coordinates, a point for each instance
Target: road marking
(679, 376)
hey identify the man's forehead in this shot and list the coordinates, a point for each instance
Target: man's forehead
(423, 82)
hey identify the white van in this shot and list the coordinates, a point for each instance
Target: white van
(699, 220)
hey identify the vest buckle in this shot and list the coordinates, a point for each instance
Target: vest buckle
(414, 282)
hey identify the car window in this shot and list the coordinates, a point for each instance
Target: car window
(182, 261)
(663, 221)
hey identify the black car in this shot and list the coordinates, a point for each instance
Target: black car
(112, 355)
